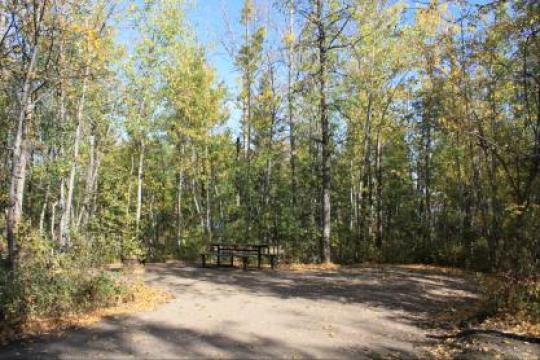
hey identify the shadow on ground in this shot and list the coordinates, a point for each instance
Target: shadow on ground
(418, 294)
(407, 297)
(116, 339)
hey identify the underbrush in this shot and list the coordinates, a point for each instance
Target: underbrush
(512, 301)
(47, 292)
(55, 286)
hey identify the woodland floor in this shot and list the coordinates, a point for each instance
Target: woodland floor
(365, 312)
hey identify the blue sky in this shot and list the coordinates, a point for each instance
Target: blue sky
(215, 22)
(212, 22)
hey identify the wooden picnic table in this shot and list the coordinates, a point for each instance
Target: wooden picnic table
(243, 252)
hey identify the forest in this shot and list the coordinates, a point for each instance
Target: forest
(354, 131)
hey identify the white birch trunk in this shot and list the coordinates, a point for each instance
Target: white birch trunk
(68, 209)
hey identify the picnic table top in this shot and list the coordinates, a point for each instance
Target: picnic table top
(240, 246)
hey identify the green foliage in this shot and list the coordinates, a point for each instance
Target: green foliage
(49, 283)
(512, 295)
(131, 247)
(433, 139)
(103, 290)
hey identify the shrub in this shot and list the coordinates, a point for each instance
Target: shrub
(514, 295)
(49, 283)
(105, 290)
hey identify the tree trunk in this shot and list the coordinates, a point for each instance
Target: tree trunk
(290, 104)
(426, 164)
(179, 217)
(363, 222)
(325, 138)
(20, 151)
(94, 190)
(18, 170)
(198, 207)
(130, 185)
(44, 210)
(208, 198)
(352, 198)
(90, 183)
(53, 219)
(140, 175)
(379, 230)
(65, 222)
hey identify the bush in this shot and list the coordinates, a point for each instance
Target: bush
(514, 295)
(50, 283)
(42, 292)
(105, 290)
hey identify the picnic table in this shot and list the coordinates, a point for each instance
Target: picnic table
(242, 252)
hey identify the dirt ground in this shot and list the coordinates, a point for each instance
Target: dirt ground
(367, 312)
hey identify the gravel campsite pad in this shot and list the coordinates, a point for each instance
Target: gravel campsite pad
(365, 312)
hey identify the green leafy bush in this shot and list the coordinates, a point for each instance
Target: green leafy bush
(105, 290)
(49, 283)
(510, 294)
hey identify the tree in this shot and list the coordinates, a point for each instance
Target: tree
(327, 20)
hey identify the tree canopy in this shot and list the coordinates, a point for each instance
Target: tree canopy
(368, 131)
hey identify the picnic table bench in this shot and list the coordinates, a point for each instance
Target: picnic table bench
(242, 252)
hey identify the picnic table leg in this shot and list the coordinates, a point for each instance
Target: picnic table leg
(272, 262)
(259, 257)
(232, 260)
(203, 260)
(245, 262)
